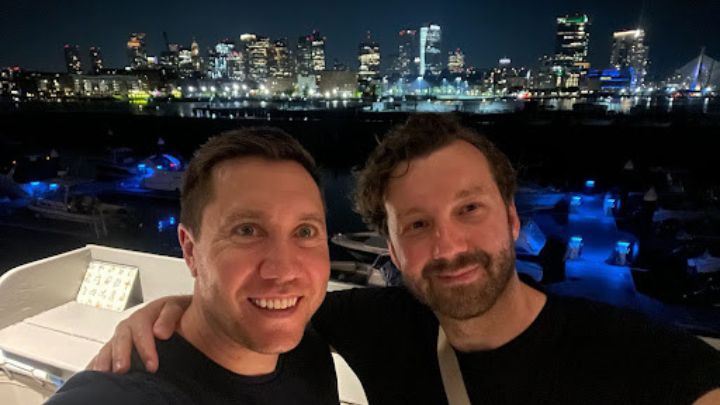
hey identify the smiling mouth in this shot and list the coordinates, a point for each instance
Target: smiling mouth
(458, 274)
(275, 304)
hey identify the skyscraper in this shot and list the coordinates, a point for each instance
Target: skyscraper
(630, 52)
(430, 54)
(185, 62)
(456, 62)
(571, 48)
(72, 59)
(257, 54)
(195, 57)
(136, 50)
(369, 64)
(96, 62)
(311, 54)
(219, 56)
(280, 59)
(406, 64)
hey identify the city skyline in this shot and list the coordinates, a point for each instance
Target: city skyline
(485, 32)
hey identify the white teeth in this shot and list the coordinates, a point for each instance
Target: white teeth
(280, 303)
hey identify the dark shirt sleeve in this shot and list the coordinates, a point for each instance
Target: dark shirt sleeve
(91, 387)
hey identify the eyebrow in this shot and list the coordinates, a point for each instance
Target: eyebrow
(476, 190)
(311, 217)
(470, 192)
(244, 215)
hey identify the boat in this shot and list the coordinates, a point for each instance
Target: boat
(161, 172)
(60, 199)
(371, 262)
(119, 164)
(56, 313)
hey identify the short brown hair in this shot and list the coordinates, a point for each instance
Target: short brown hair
(419, 136)
(265, 142)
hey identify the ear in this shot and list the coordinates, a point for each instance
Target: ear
(187, 243)
(514, 220)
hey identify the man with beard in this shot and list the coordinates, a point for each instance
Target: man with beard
(466, 328)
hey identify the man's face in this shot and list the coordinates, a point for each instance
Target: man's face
(261, 262)
(450, 232)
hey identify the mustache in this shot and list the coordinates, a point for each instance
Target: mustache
(464, 259)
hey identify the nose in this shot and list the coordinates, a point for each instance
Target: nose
(449, 240)
(280, 263)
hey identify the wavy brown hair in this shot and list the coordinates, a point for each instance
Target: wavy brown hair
(419, 136)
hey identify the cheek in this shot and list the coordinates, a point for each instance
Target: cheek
(317, 264)
(231, 268)
(413, 255)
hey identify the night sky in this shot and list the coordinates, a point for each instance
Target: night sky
(34, 32)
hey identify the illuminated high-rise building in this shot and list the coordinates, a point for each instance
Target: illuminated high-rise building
(281, 62)
(137, 53)
(311, 54)
(571, 48)
(407, 61)
(72, 59)
(185, 62)
(256, 49)
(630, 52)
(430, 55)
(219, 56)
(369, 64)
(195, 57)
(96, 61)
(456, 62)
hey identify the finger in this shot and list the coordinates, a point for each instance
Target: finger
(103, 360)
(168, 320)
(121, 348)
(144, 341)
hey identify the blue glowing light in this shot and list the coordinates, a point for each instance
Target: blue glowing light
(590, 183)
(34, 183)
(622, 246)
(53, 186)
(576, 200)
(141, 166)
(159, 167)
(166, 223)
(576, 240)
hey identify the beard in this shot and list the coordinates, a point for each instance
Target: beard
(470, 300)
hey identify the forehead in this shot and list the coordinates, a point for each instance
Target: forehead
(453, 168)
(264, 183)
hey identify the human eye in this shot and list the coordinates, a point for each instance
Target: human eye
(415, 226)
(470, 207)
(246, 230)
(306, 231)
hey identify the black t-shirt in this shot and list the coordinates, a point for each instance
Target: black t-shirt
(575, 352)
(305, 375)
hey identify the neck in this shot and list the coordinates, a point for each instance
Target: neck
(221, 348)
(513, 312)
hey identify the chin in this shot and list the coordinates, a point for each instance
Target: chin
(277, 346)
